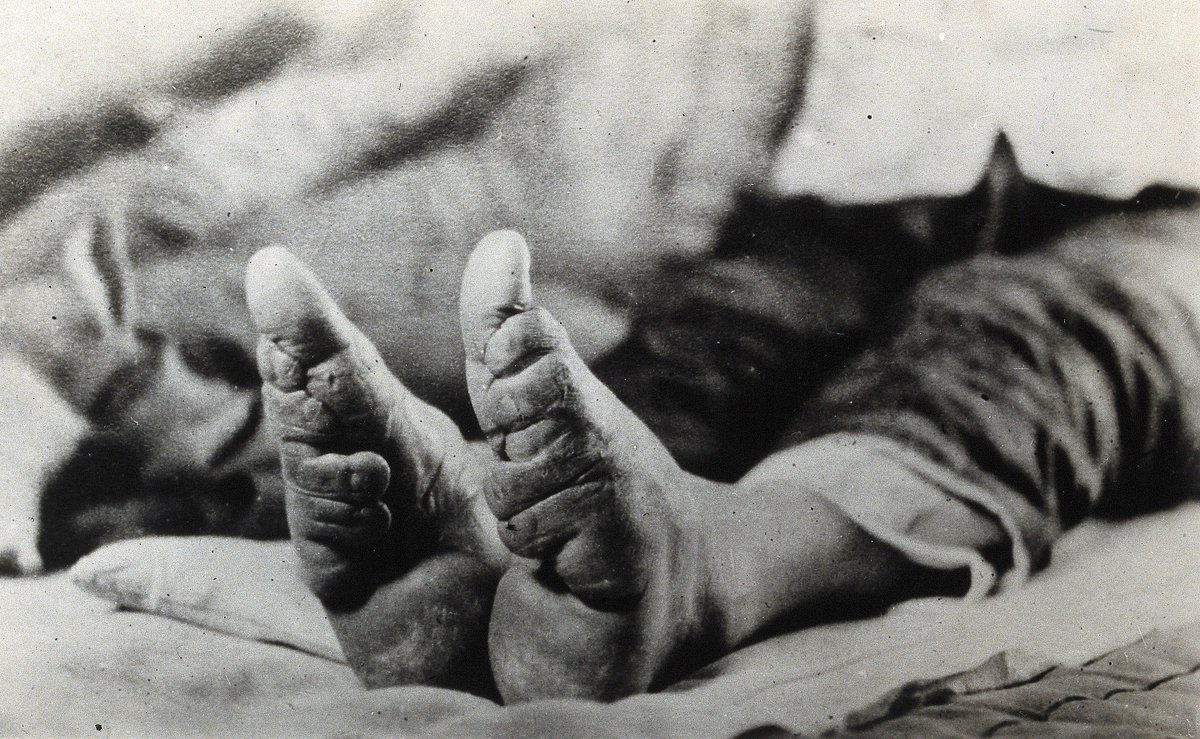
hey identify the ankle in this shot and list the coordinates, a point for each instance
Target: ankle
(695, 607)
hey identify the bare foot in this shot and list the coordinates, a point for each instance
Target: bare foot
(613, 598)
(391, 537)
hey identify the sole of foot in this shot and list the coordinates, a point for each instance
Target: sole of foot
(611, 591)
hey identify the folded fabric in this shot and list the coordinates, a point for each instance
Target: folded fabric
(240, 587)
(906, 100)
(1110, 584)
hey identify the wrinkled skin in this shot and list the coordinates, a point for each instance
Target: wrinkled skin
(384, 497)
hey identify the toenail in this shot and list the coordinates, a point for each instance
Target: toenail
(287, 371)
(504, 414)
(510, 411)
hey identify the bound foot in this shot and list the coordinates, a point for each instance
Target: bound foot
(612, 596)
(390, 533)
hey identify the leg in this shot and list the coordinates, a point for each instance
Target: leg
(391, 539)
(938, 455)
(637, 571)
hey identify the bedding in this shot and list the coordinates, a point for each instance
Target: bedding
(1113, 113)
(76, 660)
(235, 586)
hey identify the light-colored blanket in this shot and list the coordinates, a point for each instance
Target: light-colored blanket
(73, 662)
(1099, 97)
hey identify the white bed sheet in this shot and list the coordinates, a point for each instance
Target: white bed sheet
(73, 664)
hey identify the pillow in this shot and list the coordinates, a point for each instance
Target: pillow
(240, 587)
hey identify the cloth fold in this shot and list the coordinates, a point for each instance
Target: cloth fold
(904, 101)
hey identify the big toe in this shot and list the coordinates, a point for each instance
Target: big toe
(291, 308)
(495, 286)
(505, 336)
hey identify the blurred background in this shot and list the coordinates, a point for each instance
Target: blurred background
(722, 197)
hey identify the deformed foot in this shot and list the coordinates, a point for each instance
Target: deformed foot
(378, 506)
(615, 589)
